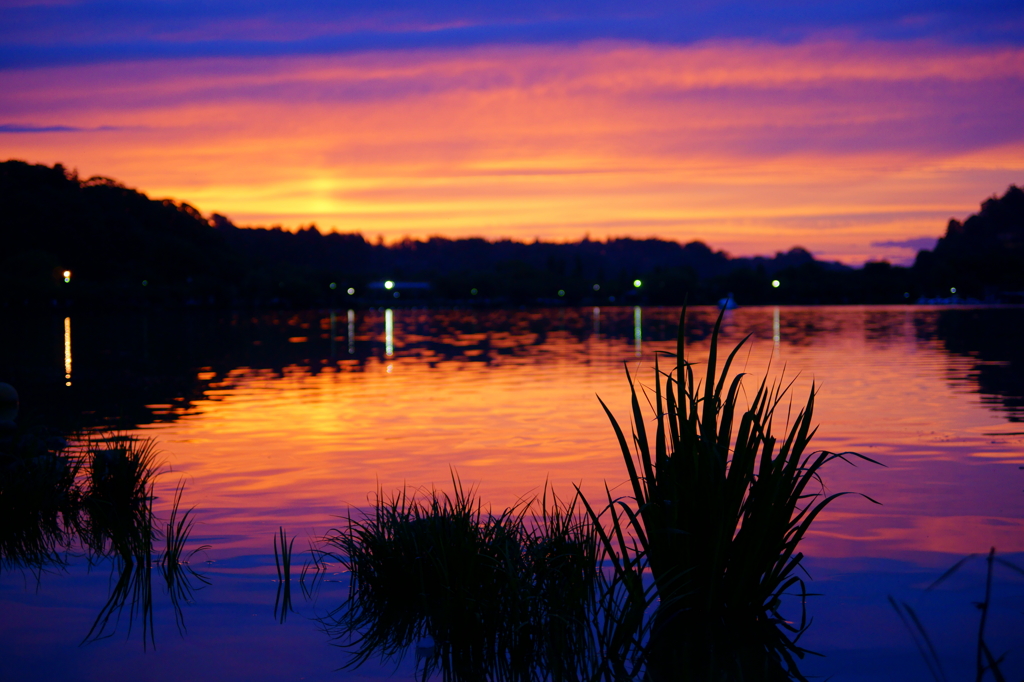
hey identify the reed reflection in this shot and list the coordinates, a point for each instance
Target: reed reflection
(61, 498)
(684, 579)
(505, 596)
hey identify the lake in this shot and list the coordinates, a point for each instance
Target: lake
(295, 419)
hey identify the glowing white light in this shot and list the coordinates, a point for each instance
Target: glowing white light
(952, 290)
(776, 283)
(637, 283)
(389, 285)
(351, 291)
(389, 333)
(67, 276)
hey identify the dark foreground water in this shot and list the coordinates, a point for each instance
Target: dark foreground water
(293, 419)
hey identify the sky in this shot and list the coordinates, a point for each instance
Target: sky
(853, 130)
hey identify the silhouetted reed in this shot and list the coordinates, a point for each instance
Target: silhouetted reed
(133, 556)
(717, 519)
(283, 564)
(119, 497)
(181, 579)
(59, 498)
(39, 500)
(499, 597)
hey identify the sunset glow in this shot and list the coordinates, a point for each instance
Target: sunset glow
(752, 146)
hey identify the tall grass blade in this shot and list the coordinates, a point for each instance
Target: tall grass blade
(283, 564)
(718, 510)
(181, 579)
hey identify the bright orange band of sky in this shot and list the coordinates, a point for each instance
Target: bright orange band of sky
(751, 147)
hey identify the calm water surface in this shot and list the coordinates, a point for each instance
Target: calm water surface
(294, 419)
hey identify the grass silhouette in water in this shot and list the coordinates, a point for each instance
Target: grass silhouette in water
(119, 499)
(174, 564)
(718, 509)
(283, 564)
(987, 663)
(39, 500)
(58, 498)
(121, 525)
(501, 597)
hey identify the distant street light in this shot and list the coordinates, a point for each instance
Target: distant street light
(561, 292)
(776, 283)
(334, 285)
(389, 285)
(637, 283)
(351, 291)
(67, 276)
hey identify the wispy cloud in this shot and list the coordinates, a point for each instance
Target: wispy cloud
(23, 128)
(915, 243)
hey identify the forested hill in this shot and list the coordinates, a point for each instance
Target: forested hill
(123, 248)
(983, 254)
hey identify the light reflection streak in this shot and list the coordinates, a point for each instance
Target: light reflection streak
(776, 335)
(597, 320)
(67, 351)
(637, 332)
(389, 333)
(351, 332)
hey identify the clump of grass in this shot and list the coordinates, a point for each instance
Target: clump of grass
(283, 563)
(499, 596)
(119, 497)
(39, 500)
(57, 498)
(118, 504)
(719, 507)
(179, 576)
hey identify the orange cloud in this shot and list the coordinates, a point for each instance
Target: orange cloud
(749, 146)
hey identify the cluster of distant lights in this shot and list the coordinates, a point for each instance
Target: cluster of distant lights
(389, 285)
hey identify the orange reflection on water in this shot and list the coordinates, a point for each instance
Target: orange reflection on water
(298, 447)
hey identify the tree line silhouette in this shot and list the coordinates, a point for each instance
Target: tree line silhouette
(124, 249)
